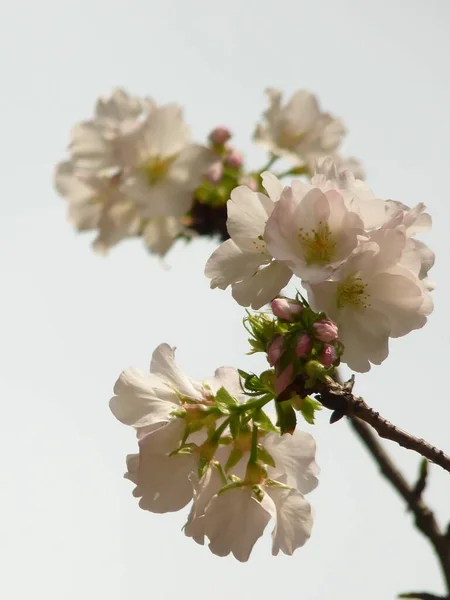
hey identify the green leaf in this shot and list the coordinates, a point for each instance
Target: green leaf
(265, 457)
(233, 459)
(263, 421)
(308, 409)
(225, 401)
(287, 419)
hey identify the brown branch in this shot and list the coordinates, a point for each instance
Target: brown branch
(364, 420)
(422, 596)
(424, 518)
(340, 399)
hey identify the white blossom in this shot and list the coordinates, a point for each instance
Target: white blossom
(280, 497)
(132, 171)
(298, 130)
(234, 518)
(371, 298)
(313, 231)
(243, 261)
(164, 167)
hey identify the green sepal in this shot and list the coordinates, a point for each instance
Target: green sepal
(265, 457)
(224, 401)
(233, 459)
(202, 466)
(287, 419)
(263, 421)
(308, 409)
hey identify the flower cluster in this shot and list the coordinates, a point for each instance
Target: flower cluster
(132, 171)
(355, 254)
(212, 443)
(303, 347)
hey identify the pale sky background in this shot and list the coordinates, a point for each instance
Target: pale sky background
(71, 320)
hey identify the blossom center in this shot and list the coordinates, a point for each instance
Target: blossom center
(288, 138)
(352, 292)
(318, 244)
(155, 168)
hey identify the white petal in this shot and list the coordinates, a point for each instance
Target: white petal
(204, 490)
(294, 520)
(229, 264)
(294, 457)
(247, 215)
(160, 234)
(163, 364)
(163, 482)
(235, 520)
(141, 400)
(272, 185)
(262, 287)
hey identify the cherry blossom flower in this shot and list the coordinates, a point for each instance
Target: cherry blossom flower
(371, 298)
(298, 130)
(313, 231)
(244, 261)
(132, 171)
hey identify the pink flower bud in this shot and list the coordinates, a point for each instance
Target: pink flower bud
(286, 309)
(234, 159)
(304, 345)
(275, 350)
(220, 135)
(215, 172)
(329, 356)
(282, 380)
(325, 330)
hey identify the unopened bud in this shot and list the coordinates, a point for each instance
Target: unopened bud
(325, 330)
(286, 309)
(215, 172)
(329, 356)
(275, 350)
(314, 369)
(234, 159)
(220, 135)
(304, 345)
(283, 379)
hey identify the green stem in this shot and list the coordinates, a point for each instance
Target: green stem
(218, 432)
(293, 171)
(256, 403)
(254, 448)
(273, 158)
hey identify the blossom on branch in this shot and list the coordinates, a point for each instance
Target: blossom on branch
(298, 129)
(243, 261)
(132, 171)
(196, 442)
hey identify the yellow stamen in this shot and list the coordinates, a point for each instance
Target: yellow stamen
(352, 292)
(318, 244)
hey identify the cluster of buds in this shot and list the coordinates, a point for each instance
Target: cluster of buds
(225, 173)
(299, 342)
(308, 344)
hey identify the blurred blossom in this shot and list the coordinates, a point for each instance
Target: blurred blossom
(298, 129)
